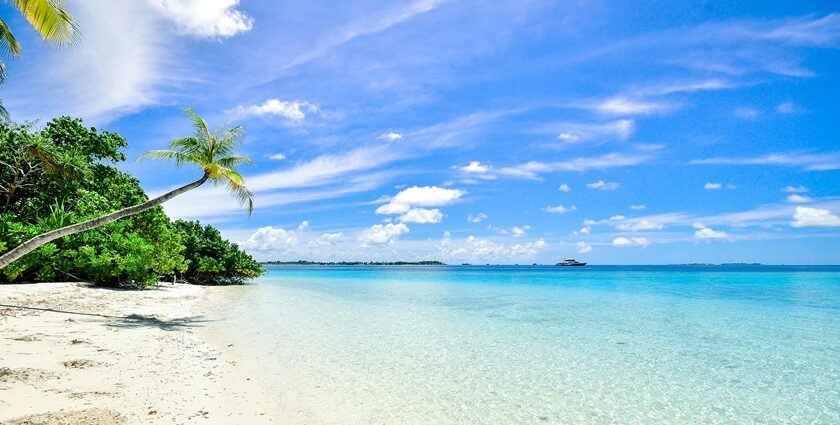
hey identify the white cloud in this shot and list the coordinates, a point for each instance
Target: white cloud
(712, 186)
(277, 157)
(382, 234)
(637, 207)
(786, 108)
(119, 68)
(204, 18)
(420, 196)
(391, 136)
(583, 248)
(294, 111)
(638, 225)
(564, 188)
(326, 239)
(475, 167)
(532, 169)
(471, 248)
(269, 239)
(585, 230)
(705, 233)
(602, 185)
(798, 199)
(624, 106)
(577, 132)
(478, 218)
(795, 189)
(560, 209)
(621, 242)
(814, 217)
(421, 215)
(519, 231)
(527, 249)
(807, 161)
(746, 113)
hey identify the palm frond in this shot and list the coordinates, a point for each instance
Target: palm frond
(202, 130)
(235, 184)
(179, 157)
(50, 19)
(8, 43)
(234, 161)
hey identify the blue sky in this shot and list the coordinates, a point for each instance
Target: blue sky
(484, 132)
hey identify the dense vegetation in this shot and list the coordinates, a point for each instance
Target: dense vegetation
(212, 260)
(64, 174)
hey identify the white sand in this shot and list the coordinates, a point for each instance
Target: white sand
(110, 357)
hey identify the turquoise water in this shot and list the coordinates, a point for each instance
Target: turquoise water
(543, 345)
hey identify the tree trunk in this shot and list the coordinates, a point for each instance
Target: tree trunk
(44, 238)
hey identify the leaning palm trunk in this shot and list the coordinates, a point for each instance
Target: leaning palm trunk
(42, 239)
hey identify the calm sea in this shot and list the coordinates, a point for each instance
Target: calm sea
(542, 345)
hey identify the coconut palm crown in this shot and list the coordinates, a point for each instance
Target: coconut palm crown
(214, 152)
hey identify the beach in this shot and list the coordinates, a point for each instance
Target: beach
(80, 355)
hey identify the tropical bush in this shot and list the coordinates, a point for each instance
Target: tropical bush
(65, 174)
(211, 259)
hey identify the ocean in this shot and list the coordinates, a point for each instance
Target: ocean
(541, 344)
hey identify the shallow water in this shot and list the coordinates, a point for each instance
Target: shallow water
(543, 345)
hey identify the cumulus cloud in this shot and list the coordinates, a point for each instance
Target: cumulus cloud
(706, 233)
(527, 249)
(621, 242)
(712, 186)
(798, 199)
(294, 111)
(814, 217)
(585, 230)
(564, 188)
(559, 209)
(204, 18)
(277, 157)
(420, 196)
(270, 238)
(391, 136)
(602, 185)
(478, 218)
(421, 215)
(382, 234)
(583, 248)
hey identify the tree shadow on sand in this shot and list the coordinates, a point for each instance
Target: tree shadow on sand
(130, 321)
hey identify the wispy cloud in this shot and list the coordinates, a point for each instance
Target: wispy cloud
(804, 160)
(533, 169)
(370, 26)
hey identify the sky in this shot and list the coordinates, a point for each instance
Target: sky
(464, 131)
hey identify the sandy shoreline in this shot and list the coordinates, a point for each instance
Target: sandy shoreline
(80, 355)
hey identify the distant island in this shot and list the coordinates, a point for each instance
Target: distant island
(354, 263)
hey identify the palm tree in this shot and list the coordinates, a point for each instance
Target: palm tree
(214, 152)
(49, 18)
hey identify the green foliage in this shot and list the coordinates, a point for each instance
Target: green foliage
(60, 175)
(213, 260)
